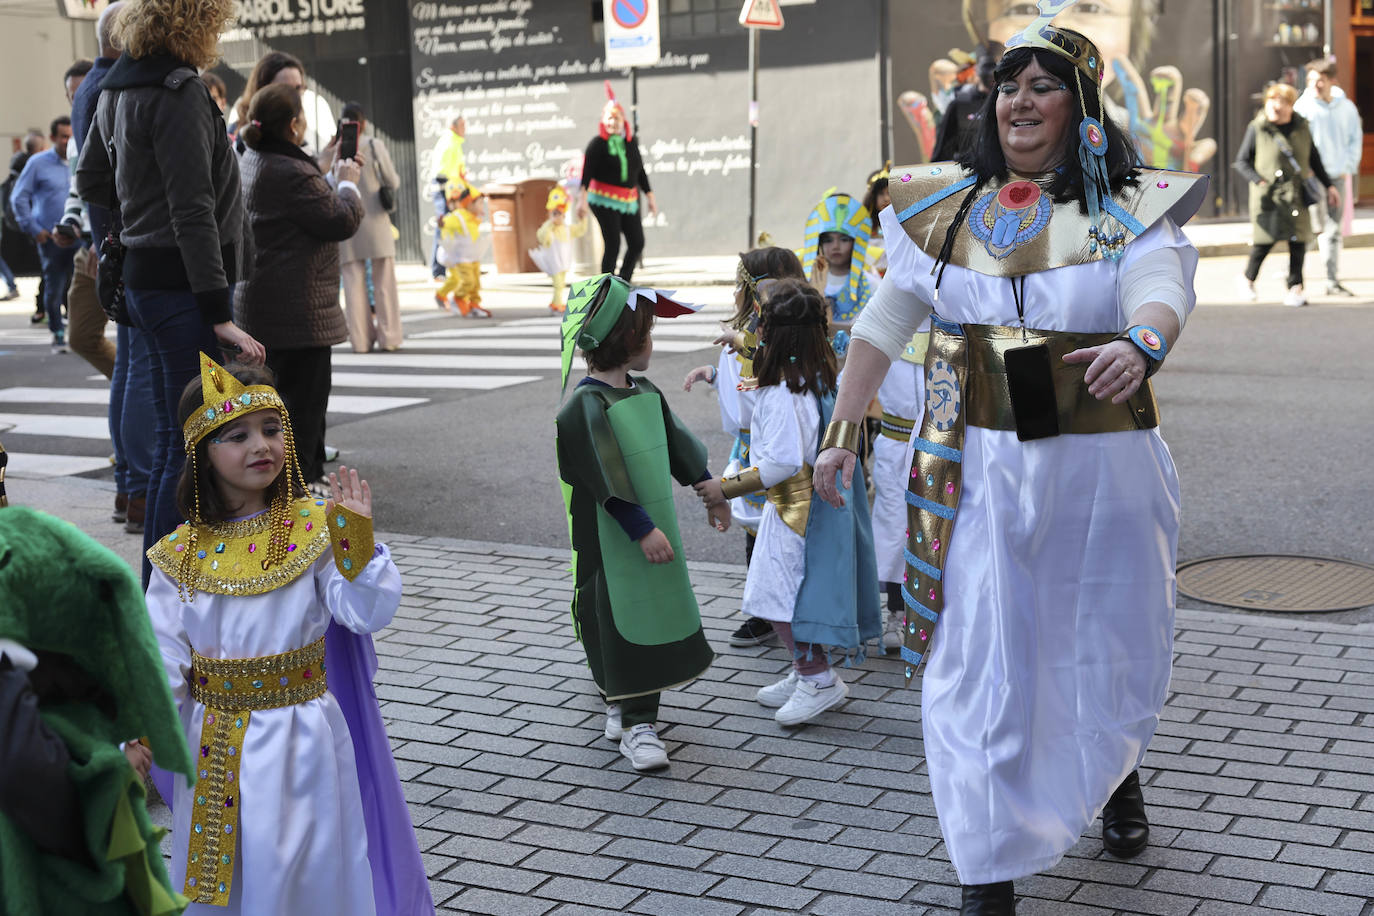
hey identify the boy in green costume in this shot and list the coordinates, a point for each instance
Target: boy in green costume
(79, 673)
(618, 444)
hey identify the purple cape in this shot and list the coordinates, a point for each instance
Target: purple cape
(399, 884)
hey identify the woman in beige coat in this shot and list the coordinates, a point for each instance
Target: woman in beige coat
(379, 324)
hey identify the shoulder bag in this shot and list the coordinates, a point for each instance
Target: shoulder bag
(386, 194)
(109, 273)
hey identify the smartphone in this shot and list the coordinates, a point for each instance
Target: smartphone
(67, 231)
(1030, 381)
(348, 139)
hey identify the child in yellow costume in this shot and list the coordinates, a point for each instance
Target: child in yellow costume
(462, 288)
(554, 255)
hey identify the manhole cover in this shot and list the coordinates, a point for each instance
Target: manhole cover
(1278, 583)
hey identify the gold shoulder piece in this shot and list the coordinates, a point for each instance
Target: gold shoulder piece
(229, 558)
(351, 536)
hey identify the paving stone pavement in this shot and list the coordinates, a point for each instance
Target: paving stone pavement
(1260, 783)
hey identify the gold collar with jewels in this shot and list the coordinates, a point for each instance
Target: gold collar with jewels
(229, 556)
(225, 398)
(1014, 228)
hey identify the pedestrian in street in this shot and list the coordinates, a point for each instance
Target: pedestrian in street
(263, 604)
(1279, 159)
(612, 178)
(619, 448)
(812, 573)
(373, 310)
(960, 120)
(1059, 280)
(39, 199)
(290, 297)
(1339, 137)
(736, 386)
(33, 144)
(448, 163)
(176, 183)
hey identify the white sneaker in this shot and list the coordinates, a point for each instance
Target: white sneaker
(810, 700)
(892, 633)
(1295, 296)
(775, 696)
(1245, 289)
(613, 726)
(642, 747)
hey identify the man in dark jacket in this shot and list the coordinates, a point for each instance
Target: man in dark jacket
(961, 118)
(34, 142)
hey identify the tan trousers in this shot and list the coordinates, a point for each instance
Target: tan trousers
(85, 319)
(365, 328)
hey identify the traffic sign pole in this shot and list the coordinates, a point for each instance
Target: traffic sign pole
(753, 131)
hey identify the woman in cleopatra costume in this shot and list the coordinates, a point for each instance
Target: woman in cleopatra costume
(619, 449)
(262, 604)
(1043, 502)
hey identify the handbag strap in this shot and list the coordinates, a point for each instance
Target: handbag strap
(1282, 143)
(116, 213)
(376, 166)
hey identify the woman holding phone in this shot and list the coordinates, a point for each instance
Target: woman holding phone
(376, 323)
(290, 299)
(1044, 503)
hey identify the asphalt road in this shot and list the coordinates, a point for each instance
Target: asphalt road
(1268, 411)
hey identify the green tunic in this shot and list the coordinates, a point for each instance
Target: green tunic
(638, 621)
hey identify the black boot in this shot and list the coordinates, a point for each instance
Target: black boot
(1125, 829)
(988, 899)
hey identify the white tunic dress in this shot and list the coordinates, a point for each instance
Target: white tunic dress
(784, 435)
(1051, 661)
(302, 843)
(736, 414)
(901, 394)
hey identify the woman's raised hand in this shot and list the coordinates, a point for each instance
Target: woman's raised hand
(347, 489)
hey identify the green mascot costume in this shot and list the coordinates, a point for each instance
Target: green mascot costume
(80, 672)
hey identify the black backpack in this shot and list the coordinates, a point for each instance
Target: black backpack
(7, 188)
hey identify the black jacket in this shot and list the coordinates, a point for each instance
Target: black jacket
(598, 164)
(177, 180)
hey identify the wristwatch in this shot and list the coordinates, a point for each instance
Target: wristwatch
(1150, 342)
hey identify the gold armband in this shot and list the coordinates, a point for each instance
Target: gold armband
(351, 536)
(841, 434)
(742, 484)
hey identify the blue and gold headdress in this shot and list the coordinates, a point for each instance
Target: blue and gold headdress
(838, 212)
(1079, 50)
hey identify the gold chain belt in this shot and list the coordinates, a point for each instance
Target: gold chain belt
(230, 689)
(989, 403)
(896, 428)
(792, 499)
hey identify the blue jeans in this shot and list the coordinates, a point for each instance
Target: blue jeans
(176, 335)
(133, 416)
(57, 276)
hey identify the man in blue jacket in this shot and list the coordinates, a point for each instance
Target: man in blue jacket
(38, 199)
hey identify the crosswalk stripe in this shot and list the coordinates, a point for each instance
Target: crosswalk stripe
(28, 464)
(521, 343)
(447, 361)
(352, 404)
(41, 424)
(703, 333)
(416, 380)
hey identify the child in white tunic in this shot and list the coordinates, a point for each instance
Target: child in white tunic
(796, 369)
(240, 599)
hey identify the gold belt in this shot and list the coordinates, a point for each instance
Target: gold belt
(896, 428)
(229, 689)
(989, 403)
(792, 499)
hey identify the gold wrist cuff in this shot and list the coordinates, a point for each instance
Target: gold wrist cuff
(742, 484)
(351, 537)
(841, 434)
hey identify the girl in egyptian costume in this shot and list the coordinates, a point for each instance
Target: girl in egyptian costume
(262, 603)
(1043, 502)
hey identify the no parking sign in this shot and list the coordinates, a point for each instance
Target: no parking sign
(631, 32)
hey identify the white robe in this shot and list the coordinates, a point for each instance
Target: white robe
(736, 413)
(783, 438)
(1051, 661)
(301, 844)
(902, 394)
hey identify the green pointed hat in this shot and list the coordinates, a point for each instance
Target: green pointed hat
(595, 306)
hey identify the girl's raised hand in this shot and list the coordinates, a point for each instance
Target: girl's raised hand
(347, 489)
(699, 374)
